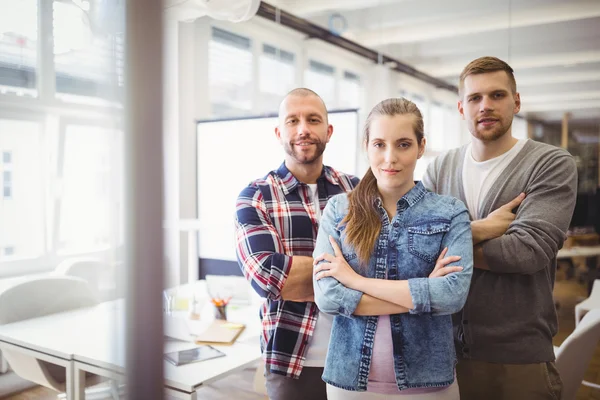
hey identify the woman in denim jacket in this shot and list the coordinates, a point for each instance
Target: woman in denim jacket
(381, 269)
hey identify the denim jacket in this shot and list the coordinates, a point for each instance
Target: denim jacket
(407, 249)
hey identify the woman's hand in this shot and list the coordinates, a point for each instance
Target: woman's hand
(336, 267)
(440, 266)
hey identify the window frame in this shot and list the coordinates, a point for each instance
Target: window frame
(49, 118)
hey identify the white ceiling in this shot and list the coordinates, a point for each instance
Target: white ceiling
(553, 45)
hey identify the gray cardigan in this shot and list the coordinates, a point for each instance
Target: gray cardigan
(509, 316)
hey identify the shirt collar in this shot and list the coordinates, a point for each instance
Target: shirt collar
(290, 183)
(409, 199)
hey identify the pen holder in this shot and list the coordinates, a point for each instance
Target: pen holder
(221, 312)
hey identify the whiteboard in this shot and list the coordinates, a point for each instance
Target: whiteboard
(233, 153)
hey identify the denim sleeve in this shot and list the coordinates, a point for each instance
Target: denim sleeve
(447, 294)
(330, 295)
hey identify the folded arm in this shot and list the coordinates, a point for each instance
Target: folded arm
(338, 288)
(438, 294)
(539, 230)
(330, 295)
(369, 305)
(260, 253)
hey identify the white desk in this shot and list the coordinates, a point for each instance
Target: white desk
(107, 357)
(590, 253)
(93, 339)
(55, 338)
(579, 251)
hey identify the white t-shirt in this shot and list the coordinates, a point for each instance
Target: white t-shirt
(317, 346)
(478, 177)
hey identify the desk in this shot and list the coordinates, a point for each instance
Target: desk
(93, 339)
(579, 251)
(108, 358)
(591, 253)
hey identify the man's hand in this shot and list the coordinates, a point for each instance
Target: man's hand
(496, 223)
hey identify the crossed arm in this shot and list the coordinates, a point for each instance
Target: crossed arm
(536, 231)
(493, 226)
(341, 290)
(261, 254)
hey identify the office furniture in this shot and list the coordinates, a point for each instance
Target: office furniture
(574, 354)
(98, 343)
(592, 302)
(34, 298)
(591, 253)
(90, 270)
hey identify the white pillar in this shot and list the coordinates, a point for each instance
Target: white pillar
(171, 151)
(188, 46)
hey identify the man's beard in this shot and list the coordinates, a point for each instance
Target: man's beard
(303, 159)
(491, 135)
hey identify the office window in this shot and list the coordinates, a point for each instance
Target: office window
(22, 205)
(91, 195)
(421, 166)
(422, 105)
(230, 74)
(277, 74)
(519, 128)
(7, 184)
(18, 47)
(436, 134)
(320, 77)
(120, 59)
(452, 128)
(418, 100)
(86, 59)
(350, 91)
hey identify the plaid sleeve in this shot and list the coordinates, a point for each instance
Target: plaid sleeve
(259, 249)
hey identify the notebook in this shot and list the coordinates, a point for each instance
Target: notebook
(220, 332)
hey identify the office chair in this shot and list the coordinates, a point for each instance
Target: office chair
(593, 301)
(91, 270)
(574, 354)
(38, 297)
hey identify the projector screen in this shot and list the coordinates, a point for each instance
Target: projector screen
(233, 153)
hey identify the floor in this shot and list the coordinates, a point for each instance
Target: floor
(239, 386)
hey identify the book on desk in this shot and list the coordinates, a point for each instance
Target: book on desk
(220, 332)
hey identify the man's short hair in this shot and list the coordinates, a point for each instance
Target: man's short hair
(304, 92)
(485, 65)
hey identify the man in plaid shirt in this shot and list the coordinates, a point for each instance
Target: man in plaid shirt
(276, 227)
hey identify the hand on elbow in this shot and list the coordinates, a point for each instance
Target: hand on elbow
(497, 222)
(441, 268)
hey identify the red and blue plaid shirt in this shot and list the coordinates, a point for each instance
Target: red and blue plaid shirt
(275, 220)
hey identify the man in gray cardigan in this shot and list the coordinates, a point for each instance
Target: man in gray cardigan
(503, 335)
